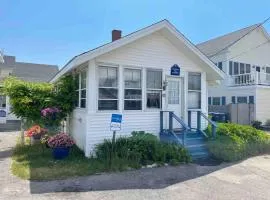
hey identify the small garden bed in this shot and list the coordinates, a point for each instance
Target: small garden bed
(35, 162)
(236, 142)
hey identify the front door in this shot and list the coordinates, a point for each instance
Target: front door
(174, 97)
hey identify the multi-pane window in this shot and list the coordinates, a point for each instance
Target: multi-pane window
(133, 89)
(107, 88)
(154, 88)
(223, 101)
(236, 68)
(80, 81)
(194, 90)
(241, 99)
(173, 92)
(233, 99)
(216, 101)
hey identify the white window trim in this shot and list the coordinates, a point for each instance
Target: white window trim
(198, 91)
(101, 64)
(146, 90)
(142, 88)
(80, 88)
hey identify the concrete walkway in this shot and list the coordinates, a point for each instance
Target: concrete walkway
(249, 179)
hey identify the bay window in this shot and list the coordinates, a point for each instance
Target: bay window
(194, 90)
(154, 88)
(80, 81)
(133, 89)
(108, 88)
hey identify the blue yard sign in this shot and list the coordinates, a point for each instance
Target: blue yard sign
(175, 70)
(116, 121)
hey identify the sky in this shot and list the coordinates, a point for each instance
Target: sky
(53, 31)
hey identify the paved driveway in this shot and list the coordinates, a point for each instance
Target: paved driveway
(249, 179)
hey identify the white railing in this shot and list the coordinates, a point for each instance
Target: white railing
(255, 78)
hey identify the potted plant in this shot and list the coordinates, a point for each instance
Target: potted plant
(60, 144)
(35, 132)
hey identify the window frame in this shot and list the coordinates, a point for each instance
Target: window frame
(153, 90)
(117, 87)
(124, 88)
(213, 101)
(196, 91)
(80, 89)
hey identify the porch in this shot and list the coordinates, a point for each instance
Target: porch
(253, 78)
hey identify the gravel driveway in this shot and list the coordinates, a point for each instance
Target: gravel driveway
(249, 179)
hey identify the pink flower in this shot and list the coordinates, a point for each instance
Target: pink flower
(60, 140)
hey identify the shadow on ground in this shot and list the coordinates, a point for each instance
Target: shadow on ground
(147, 178)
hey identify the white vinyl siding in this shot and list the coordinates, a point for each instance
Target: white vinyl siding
(153, 52)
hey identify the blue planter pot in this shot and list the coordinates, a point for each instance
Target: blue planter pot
(60, 152)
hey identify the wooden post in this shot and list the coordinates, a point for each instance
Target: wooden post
(199, 120)
(170, 121)
(22, 131)
(161, 122)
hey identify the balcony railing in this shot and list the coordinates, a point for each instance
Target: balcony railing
(256, 78)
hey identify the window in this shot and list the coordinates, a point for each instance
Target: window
(242, 68)
(2, 101)
(173, 92)
(230, 67)
(209, 100)
(223, 101)
(216, 101)
(235, 68)
(80, 81)
(154, 88)
(267, 70)
(241, 99)
(251, 99)
(248, 68)
(194, 90)
(133, 89)
(220, 65)
(108, 88)
(233, 99)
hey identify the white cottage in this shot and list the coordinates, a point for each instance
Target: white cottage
(138, 76)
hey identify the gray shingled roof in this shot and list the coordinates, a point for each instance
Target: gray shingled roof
(31, 71)
(214, 46)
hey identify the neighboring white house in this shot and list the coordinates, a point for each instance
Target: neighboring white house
(244, 56)
(26, 71)
(132, 75)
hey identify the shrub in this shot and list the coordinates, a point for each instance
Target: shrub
(267, 123)
(235, 142)
(141, 149)
(257, 124)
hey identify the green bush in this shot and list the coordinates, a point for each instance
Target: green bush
(141, 149)
(236, 142)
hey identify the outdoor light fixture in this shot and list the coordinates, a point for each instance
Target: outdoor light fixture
(165, 84)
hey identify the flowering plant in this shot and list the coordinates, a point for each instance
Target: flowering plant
(60, 140)
(35, 130)
(50, 111)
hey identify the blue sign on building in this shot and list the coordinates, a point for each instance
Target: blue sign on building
(175, 70)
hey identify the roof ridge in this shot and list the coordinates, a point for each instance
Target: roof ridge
(227, 34)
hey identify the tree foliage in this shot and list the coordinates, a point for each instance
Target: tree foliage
(27, 99)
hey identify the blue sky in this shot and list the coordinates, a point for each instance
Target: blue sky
(53, 31)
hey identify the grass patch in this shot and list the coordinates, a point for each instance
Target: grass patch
(35, 162)
(236, 142)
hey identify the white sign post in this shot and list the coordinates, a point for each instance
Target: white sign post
(116, 121)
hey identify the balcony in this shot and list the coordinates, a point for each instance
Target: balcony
(254, 78)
